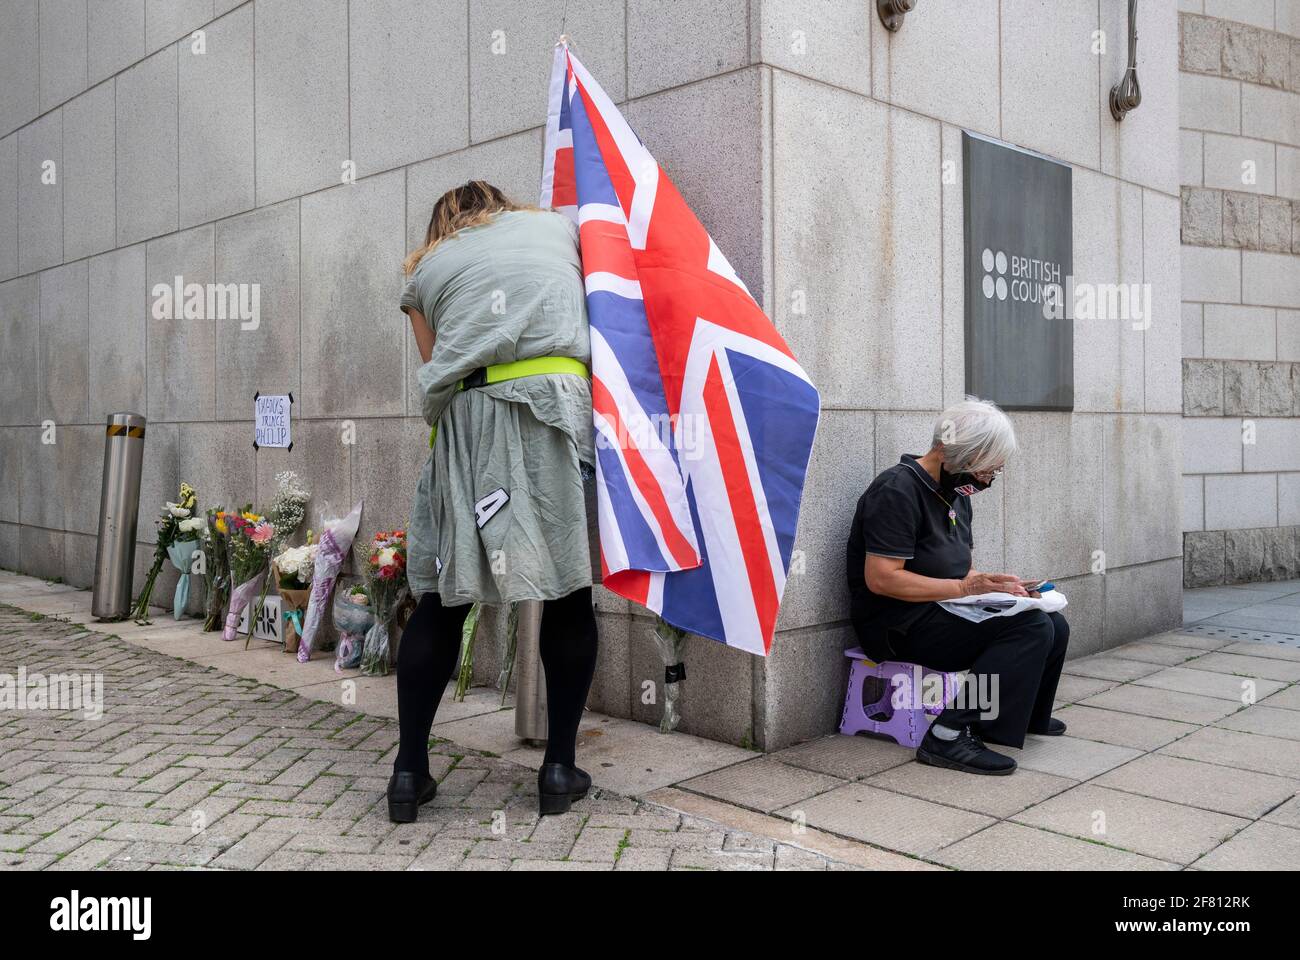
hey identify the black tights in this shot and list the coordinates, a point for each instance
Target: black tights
(430, 649)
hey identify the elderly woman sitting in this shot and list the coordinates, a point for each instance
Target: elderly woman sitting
(910, 547)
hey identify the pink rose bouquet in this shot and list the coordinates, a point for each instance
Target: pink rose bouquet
(248, 546)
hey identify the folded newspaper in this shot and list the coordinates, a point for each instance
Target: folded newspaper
(988, 605)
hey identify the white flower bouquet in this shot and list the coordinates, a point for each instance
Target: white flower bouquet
(294, 567)
(189, 538)
(169, 532)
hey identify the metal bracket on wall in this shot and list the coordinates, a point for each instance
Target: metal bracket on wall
(1127, 94)
(892, 12)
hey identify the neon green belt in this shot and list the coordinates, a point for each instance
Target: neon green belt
(500, 372)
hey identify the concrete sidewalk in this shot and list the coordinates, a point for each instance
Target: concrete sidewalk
(1166, 766)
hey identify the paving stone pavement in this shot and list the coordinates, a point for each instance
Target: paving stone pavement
(1183, 752)
(191, 767)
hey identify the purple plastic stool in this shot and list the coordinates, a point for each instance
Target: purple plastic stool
(905, 723)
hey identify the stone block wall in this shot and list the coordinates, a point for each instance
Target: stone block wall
(822, 152)
(1240, 200)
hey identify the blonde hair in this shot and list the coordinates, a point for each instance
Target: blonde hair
(468, 205)
(975, 435)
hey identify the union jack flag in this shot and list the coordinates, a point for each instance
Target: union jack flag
(704, 419)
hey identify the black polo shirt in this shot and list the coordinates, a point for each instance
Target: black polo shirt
(905, 514)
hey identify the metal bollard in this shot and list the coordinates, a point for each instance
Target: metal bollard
(119, 509)
(530, 679)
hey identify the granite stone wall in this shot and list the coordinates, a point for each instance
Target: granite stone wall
(1240, 119)
(822, 152)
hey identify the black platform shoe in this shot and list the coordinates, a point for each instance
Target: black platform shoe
(966, 753)
(559, 786)
(406, 792)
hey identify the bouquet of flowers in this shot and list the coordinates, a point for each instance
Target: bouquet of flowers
(181, 550)
(334, 544)
(168, 533)
(294, 567)
(288, 508)
(671, 642)
(386, 580)
(353, 617)
(248, 547)
(465, 669)
(216, 568)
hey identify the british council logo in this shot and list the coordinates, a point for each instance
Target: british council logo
(995, 286)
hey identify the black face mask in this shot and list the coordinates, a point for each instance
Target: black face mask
(962, 482)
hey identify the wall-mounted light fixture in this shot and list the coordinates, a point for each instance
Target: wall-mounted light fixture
(1127, 94)
(892, 12)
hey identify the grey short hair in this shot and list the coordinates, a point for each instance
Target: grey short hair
(975, 435)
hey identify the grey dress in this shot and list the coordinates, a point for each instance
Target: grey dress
(501, 511)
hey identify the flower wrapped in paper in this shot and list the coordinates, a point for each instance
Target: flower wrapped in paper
(292, 605)
(352, 618)
(216, 569)
(671, 642)
(248, 546)
(169, 531)
(332, 548)
(294, 568)
(386, 581)
(181, 552)
(241, 596)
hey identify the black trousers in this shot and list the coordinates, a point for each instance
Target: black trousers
(430, 650)
(1015, 665)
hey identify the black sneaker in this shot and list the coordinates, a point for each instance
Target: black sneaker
(1055, 728)
(966, 752)
(406, 792)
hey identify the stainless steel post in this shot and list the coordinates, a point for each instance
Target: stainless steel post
(530, 680)
(119, 508)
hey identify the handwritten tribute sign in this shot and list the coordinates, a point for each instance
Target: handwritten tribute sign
(271, 420)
